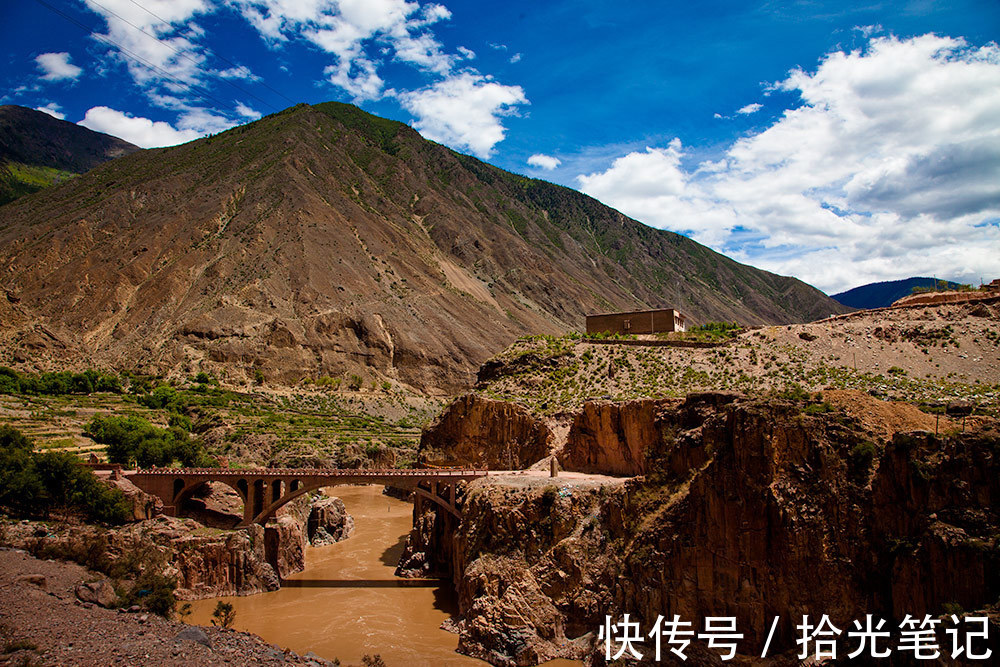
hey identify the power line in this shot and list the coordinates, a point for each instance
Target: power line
(216, 54)
(204, 94)
(184, 55)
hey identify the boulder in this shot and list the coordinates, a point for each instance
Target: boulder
(97, 592)
(193, 633)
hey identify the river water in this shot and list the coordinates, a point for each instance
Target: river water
(347, 602)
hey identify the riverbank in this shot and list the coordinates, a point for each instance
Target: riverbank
(348, 602)
(42, 622)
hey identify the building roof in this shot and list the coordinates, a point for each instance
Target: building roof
(638, 312)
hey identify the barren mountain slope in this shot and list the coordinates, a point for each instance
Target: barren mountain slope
(326, 241)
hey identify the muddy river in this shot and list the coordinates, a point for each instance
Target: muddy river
(347, 603)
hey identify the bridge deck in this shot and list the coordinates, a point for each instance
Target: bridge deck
(423, 473)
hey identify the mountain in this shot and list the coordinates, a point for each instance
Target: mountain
(880, 295)
(324, 241)
(37, 150)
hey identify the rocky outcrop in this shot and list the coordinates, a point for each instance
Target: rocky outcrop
(429, 550)
(205, 565)
(141, 504)
(329, 522)
(750, 509)
(285, 545)
(204, 562)
(612, 438)
(478, 431)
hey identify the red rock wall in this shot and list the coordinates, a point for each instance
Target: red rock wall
(477, 431)
(612, 438)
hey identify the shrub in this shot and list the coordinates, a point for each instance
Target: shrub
(818, 408)
(793, 391)
(152, 591)
(224, 615)
(861, 457)
(355, 382)
(163, 397)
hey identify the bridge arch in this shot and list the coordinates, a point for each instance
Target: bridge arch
(269, 511)
(184, 489)
(265, 490)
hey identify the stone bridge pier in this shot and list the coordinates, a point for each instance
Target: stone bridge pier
(265, 490)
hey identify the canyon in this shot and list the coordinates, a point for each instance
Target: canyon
(739, 507)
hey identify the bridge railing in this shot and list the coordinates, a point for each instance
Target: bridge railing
(319, 472)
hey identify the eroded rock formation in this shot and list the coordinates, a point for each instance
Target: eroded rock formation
(477, 431)
(329, 522)
(612, 438)
(752, 509)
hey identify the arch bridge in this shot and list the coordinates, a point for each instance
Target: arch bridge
(265, 490)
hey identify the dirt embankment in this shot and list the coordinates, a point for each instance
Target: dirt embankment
(43, 621)
(747, 508)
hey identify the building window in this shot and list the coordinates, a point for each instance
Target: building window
(627, 324)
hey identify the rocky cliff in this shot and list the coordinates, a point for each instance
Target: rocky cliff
(205, 562)
(611, 437)
(747, 508)
(478, 431)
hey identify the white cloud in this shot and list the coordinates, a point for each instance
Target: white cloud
(890, 167)
(749, 109)
(544, 161)
(238, 72)
(203, 121)
(354, 31)
(52, 109)
(137, 130)
(166, 44)
(57, 67)
(516, 58)
(247, 112)
(464, 111)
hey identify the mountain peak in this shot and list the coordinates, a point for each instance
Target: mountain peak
(325, 241)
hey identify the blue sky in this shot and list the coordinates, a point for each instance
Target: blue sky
(839, 142)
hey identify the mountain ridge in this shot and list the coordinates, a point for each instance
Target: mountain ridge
(883, 294)
(37, 150)
(323, 240)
